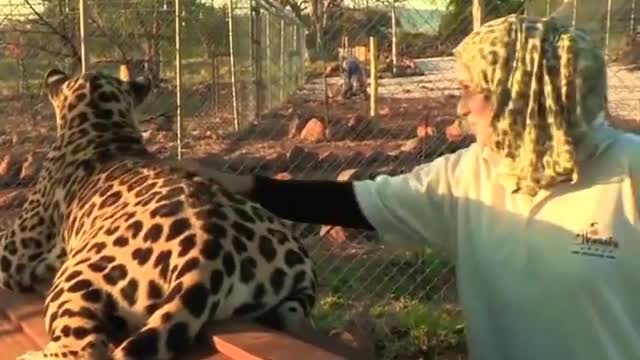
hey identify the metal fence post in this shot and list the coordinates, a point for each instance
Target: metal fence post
(606, 39)
(215, 81)
(252, 57)
(178, 19)
(256, 57)
(290, 68)
(632, 21)
(294, 55)
(83, 34)
(268, 48)
(232, 65)
(373, 54)
(394, 42)
(301, 54)
(282, 72)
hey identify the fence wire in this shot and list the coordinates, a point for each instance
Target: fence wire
(259, 93)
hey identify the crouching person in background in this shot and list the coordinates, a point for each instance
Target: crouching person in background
(354, 79)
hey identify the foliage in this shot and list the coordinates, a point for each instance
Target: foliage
(51, 31)
(210, 25)
(420, 45)
(358, 25)
(141, 32)
(155, 26)
(458, 20)
(298, 8)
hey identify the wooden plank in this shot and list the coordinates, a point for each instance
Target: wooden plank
(28, 311)
(25, 317)
(13, 342)
(357, 352)
(247, 341)
(22, 329)
(218, 357)
(204, 349)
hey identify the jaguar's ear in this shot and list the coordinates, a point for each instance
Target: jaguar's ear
(54, 79)
(140, 88)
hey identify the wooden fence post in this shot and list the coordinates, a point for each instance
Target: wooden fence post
(373, 71)
(478, 11)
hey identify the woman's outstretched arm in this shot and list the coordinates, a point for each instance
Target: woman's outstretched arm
(310, 201)
(416, 208)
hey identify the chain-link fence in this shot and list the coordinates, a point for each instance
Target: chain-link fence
(259, 92)
(237, 58)
(411, 126)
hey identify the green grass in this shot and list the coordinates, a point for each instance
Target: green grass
(405, 295)
(404, 327)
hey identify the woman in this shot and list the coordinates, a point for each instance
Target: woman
(540, 215)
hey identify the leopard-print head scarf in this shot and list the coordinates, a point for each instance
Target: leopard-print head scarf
(547, 84)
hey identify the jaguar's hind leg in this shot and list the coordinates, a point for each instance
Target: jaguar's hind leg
(80, 318)
(75, 335)
(292, 313)
(174, 326)
(58, 350)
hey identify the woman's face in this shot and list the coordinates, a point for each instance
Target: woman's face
(476, 107)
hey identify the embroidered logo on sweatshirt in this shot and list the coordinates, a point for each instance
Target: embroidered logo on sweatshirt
(592, 242)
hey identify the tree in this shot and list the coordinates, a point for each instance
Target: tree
(298, 8)
(209, 24)
(16, 50)
(138, 37)
(358, 24)
(50, 29)
(457, 21)
(321, 12)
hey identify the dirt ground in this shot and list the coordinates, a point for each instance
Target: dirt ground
(28, 127)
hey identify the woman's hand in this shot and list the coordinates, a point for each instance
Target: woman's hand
(239, 184)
